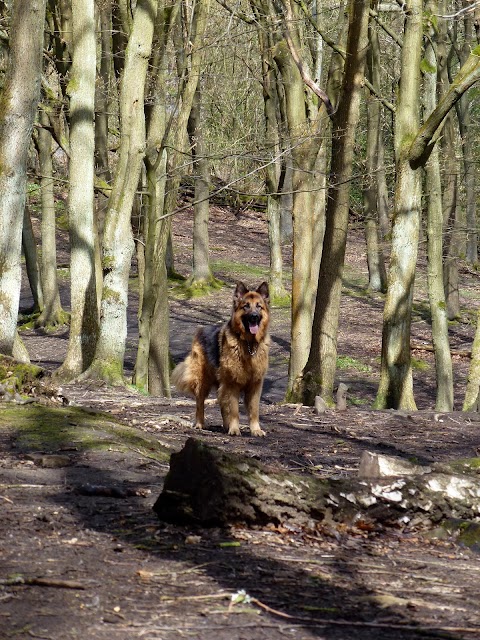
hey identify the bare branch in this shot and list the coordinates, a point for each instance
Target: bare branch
(318, 91)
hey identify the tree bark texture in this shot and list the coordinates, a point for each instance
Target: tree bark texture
(152, 365)
(396, 381)
(210, 487)
(201, 272)
(52, 314)
(433, 187)
(118, 240)
(83, 287)
(319, 373)
(18, 104)
(472, 394)
(30, 252)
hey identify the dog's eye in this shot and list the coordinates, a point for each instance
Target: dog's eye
(246, 307)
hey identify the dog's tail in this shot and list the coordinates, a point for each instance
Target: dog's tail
(181, 377)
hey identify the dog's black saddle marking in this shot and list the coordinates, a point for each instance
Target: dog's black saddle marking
(208, 338)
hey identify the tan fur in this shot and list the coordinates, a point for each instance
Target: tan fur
(242, 362)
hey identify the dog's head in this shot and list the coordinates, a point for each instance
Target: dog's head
(251, 313)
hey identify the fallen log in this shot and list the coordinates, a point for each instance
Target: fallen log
(211, 487)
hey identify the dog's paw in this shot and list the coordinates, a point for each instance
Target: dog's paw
(256, 431)
(234, 431)
(198, 425)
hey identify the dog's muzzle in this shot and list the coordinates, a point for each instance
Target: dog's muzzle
(252, 322)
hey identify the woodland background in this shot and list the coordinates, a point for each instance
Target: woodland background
(313, 113)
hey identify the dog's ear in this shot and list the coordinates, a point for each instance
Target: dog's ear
(263, 291)
(240, 291)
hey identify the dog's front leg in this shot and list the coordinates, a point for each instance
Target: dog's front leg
(200, 412)
(228, 397)
(252, 400)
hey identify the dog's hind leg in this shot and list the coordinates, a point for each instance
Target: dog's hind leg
(252, 402)
(201, 394)
(228, 397)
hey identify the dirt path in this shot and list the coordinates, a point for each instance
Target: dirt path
(97, 564)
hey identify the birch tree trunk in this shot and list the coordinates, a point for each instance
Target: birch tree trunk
(83, 290)
(118, 238)
(18, 103)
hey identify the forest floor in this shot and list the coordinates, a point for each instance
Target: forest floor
(82, 555)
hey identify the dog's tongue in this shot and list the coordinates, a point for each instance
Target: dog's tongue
(253, 328)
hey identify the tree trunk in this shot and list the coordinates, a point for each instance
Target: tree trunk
(31, 261)
(275, 171)
(201, 273)
(52, 315)
(83, 291)
(377, 275)
(319, 374)
(152, 365)
(396, 382)
(210, 487)
(443, 360)
(18, 103)
(118, 241)
(303, 157)
(468, 155)
(472, 394)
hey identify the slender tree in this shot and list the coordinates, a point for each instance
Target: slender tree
(18, 104)
(412, 152)
(83, 292)
(52, 314)
(433, 189)
(319, 373)
(118, 239)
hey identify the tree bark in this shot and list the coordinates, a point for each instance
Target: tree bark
(275, 171)
(152, 365)
(30, 252)
(375, 211)
(83, 291)
(319, 373)
(201, 272)
(210, 487)
(472, 394)
(118, 240)
(396, 381)
(18, 104)
(52, 314)
(438, 311)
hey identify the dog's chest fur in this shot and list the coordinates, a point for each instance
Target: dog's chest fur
(237, 363)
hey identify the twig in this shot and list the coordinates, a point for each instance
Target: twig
(270, 610)
(43, 582)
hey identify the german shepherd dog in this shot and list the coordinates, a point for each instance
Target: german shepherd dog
(232, 357)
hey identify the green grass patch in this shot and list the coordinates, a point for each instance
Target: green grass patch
(40, 428)
(346, 362)
(241, 270)
(281, 302)
(420, 365)
(358, 402)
